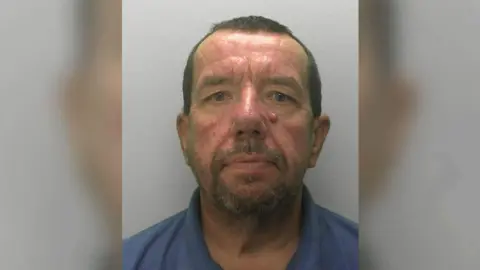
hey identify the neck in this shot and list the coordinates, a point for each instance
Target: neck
(276, 231)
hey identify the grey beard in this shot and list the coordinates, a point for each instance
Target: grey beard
(279, 198)
(278, 201)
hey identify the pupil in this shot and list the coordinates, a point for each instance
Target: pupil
(280, 97)
(219, 96)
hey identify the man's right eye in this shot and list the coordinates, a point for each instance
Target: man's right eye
(218, 97)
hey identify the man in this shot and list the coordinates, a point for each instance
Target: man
(250, 128)
(93, 105)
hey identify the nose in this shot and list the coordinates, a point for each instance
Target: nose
(249, 127)
(249, 117)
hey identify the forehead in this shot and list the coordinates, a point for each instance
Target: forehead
(226, 50)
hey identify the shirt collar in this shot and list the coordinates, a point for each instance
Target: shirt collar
(307, 255)
(196, 247)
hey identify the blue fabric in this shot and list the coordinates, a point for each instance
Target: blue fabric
(328, 242)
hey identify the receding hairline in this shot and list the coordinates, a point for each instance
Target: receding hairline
(210, 36)
(301, 50)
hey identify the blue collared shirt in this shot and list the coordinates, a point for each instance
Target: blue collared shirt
(328, 242)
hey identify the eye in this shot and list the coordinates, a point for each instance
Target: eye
(280, 97)
(218, 97)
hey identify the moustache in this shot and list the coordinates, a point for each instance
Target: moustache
(248, 147)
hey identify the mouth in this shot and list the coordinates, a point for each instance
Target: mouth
(249, 162)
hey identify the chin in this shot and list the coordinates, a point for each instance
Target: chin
(253, 193)
(250, 190)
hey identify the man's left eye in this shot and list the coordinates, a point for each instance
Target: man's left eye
(280, 97)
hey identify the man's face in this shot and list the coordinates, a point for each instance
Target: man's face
(250, 134)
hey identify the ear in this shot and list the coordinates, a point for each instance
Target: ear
(182, 131)
(320, 128)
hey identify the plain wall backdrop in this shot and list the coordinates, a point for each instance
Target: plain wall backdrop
(47, 218)
(157, 37)
(429, 217)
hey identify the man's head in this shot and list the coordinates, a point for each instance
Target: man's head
(251, 123)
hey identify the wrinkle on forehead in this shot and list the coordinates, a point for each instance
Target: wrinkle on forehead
(225, 51)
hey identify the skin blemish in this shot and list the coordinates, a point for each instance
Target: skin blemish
(272, 117)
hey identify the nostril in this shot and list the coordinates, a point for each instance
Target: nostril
(254, 133)
(248, 128)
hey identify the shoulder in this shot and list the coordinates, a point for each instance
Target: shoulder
(342, 234)
(159, 235)
(342, 226)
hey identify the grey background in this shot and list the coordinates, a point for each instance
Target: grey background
(157, 37)
(429, 216)
(47, 219)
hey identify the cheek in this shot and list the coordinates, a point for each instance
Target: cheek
(208, 134)
(293, 139)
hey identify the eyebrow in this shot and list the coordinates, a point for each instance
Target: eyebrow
(290, 82)
(213, 80)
